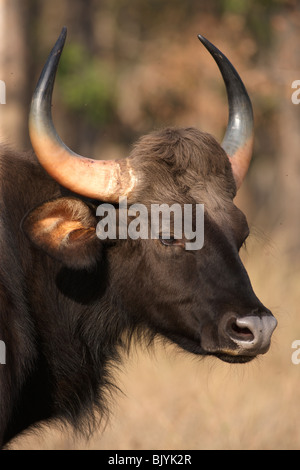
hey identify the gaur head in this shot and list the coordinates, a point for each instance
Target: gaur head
(201, 299)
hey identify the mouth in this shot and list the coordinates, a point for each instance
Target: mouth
(238, 340)
(231, 359)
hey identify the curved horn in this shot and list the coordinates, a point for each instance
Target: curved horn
(238, 139)
(97, 179)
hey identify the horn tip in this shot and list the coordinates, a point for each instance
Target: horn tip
(209, 45)
(202, 39)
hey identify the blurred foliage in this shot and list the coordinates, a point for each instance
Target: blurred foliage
(87, 75)
(87, 84)
(257, 14)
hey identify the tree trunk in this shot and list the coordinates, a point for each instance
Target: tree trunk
(13, 52)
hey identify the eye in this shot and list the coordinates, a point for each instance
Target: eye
(167, 241)
(171, 241)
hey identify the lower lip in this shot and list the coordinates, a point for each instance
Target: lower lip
(234, 359)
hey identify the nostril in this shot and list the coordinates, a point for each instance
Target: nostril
(250, 333)
(238, 332)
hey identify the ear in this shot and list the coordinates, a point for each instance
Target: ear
(65, 228)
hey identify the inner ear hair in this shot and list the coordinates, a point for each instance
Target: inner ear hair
(65, 228)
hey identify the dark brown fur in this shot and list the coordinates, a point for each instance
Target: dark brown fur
(67, 299)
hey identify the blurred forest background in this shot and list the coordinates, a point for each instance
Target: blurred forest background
(130, 66)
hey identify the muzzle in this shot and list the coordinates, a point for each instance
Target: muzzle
(241, 337)
(249, 335)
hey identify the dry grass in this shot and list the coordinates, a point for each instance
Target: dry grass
(175, 401)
